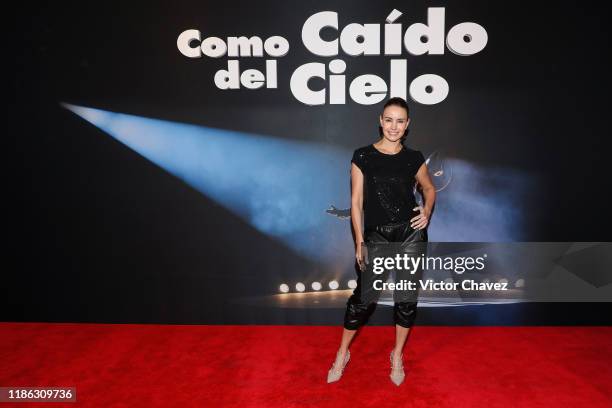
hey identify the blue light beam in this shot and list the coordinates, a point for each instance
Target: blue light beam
(284, 187)
(280, 187)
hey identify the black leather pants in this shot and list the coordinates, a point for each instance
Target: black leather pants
(357, 310)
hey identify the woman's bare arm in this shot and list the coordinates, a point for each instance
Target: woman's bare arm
(429, 195)
(357, 203)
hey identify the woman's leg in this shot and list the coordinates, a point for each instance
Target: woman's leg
(401, 334)
(347, 337)
(405, 307)
(359, 306)
(404, 314)
(355, 316)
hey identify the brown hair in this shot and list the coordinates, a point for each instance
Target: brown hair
(397, 101)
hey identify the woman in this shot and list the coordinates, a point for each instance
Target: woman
(382, 178)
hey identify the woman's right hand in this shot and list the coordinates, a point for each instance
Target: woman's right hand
(359, 255)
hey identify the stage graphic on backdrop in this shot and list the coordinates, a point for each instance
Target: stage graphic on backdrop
(298, 192)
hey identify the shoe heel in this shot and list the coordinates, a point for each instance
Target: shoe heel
(334, 375)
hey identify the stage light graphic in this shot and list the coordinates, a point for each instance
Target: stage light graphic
(298, 192)
(281, 187)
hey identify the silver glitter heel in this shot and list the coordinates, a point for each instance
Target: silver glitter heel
(334, 374)
(397, 373)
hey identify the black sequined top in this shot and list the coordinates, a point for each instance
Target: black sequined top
(388, 184)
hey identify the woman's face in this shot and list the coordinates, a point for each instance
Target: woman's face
(394, 122)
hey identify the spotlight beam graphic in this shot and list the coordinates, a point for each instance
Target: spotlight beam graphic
(298, 191)
(280, 187)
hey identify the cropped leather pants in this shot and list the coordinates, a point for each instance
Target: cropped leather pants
(358, 307)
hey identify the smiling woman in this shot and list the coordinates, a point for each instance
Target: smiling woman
(384, 210)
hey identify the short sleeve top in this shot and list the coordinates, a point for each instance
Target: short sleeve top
(389, 181)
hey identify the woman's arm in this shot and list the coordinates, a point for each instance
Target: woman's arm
(429, 195)
(357, 203)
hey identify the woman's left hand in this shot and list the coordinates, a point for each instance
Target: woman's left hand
(421, 220)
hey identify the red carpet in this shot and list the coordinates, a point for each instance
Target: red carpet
(286, 366)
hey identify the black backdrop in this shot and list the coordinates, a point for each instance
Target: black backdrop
(98, 233)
